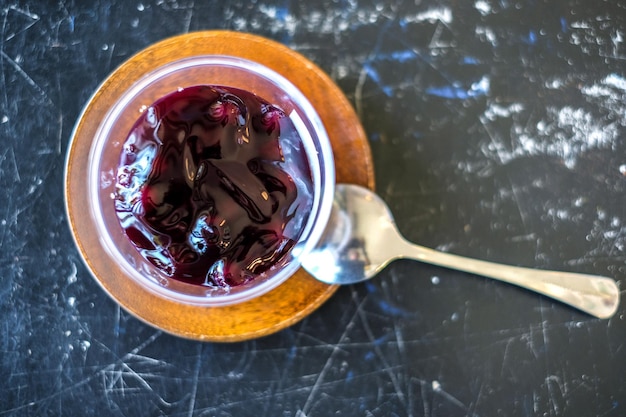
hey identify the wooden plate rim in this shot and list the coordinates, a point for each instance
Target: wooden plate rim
(281, 307)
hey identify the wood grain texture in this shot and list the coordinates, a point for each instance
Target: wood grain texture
(277, 309)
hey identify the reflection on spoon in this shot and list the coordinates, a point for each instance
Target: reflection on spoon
(361, 239)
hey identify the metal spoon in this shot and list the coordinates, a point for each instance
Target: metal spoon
(361, 239)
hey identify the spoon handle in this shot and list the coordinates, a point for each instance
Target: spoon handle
(596, 295)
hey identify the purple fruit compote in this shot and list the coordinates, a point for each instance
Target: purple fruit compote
(213, 186)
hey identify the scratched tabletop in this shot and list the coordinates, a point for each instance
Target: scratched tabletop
(498, 129)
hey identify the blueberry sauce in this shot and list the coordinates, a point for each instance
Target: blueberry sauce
(213, 186)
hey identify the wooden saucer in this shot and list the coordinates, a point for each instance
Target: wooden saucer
(300, 294)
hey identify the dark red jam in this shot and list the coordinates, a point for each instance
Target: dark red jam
(213, 186)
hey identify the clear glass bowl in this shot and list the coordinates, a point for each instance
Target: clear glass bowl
(116, 124)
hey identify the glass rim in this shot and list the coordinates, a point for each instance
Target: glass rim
(323, 168)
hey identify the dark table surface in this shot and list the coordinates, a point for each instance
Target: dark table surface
(498, 132)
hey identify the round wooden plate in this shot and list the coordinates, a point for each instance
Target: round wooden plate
(300, 294)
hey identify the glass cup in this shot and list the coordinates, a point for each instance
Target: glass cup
(106, 148)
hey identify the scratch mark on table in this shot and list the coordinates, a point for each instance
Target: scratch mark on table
(195, 380)
(376, 347)
(9, 156)
(188, 16)
(20, 71)
(109, 369)
(329, 362)
(556, 391)
(35, 18)
(358, 89)
(437, 389)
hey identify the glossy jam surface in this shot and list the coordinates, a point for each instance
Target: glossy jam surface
(213, 186)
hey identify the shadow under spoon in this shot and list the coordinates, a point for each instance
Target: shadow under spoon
(361, 239)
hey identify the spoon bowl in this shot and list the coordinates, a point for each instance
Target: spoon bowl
(361, 239)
